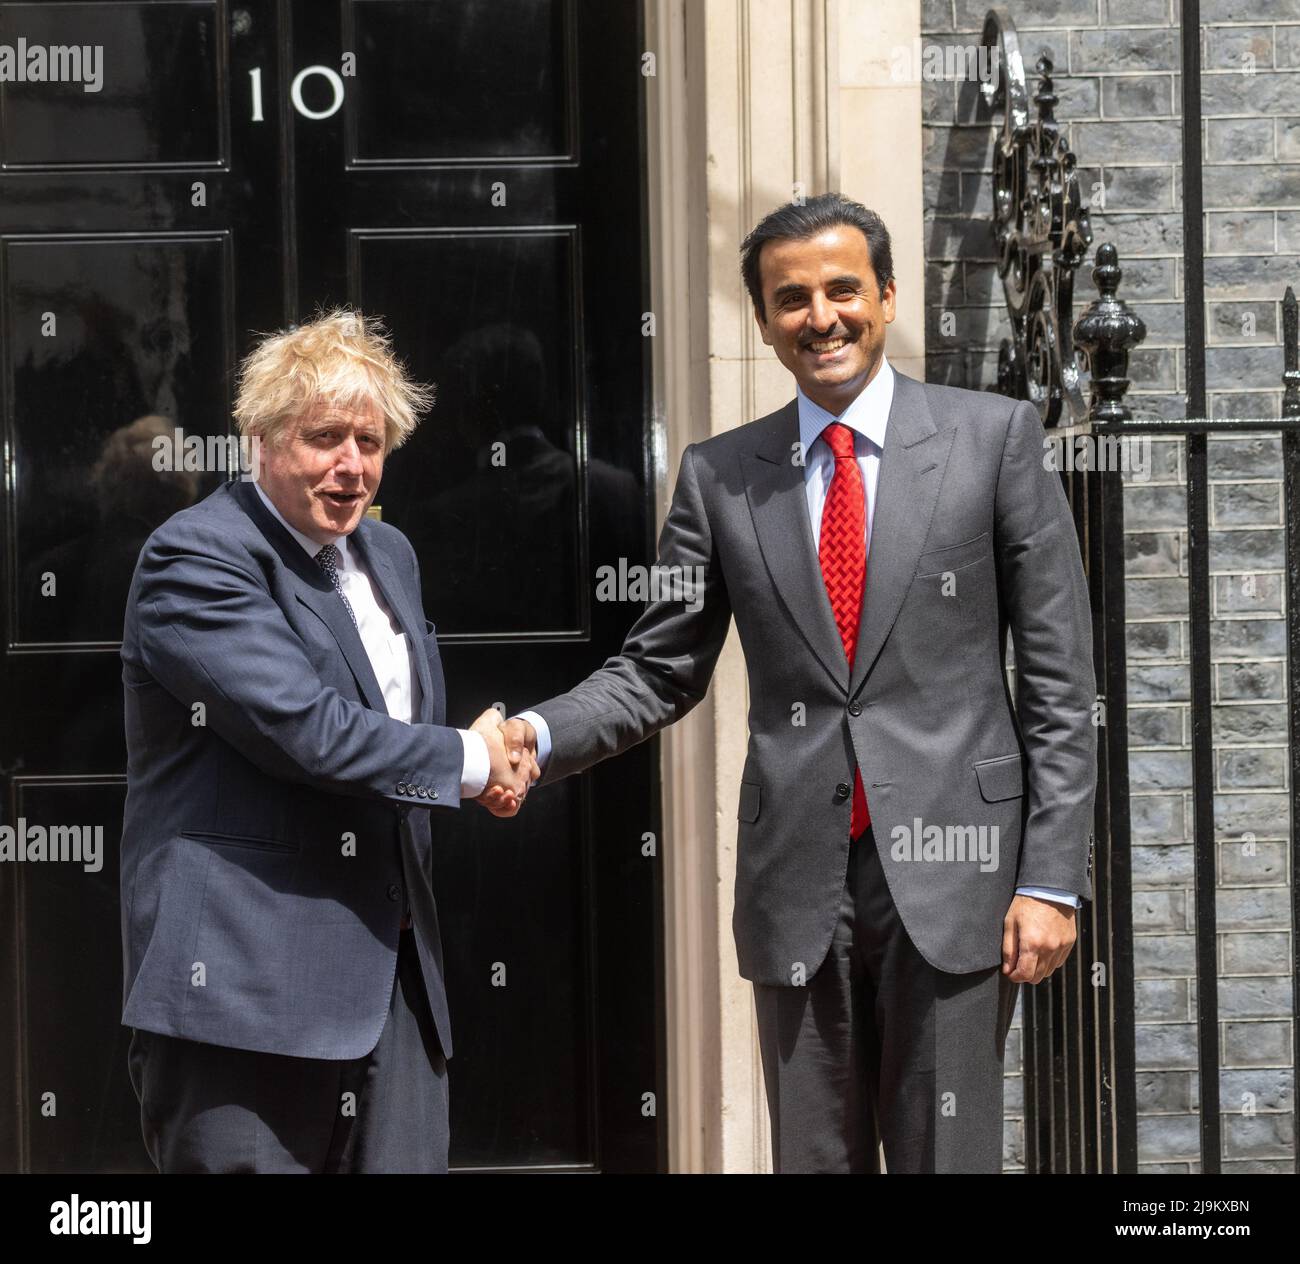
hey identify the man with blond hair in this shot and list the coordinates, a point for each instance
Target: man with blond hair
(287, 746)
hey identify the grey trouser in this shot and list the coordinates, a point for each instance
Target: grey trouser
(880, 1046)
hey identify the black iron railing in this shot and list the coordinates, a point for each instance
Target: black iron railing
(1080, 1100)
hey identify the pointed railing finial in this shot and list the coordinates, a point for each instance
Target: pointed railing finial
(1107, 331)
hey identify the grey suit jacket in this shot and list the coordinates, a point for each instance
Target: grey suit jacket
(272, 836)
(971, 535)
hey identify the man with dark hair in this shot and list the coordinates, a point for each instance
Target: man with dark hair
(797, 221)
(911, 848)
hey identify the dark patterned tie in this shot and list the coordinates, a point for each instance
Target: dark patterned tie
(328, 560)
(842, 552)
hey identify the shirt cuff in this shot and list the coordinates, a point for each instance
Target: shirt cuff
(1052, 893)
(477, 767)
(543, 731)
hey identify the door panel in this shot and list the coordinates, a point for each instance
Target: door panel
(157, 101)
(463, 83)
(113, 342)
(489, 317)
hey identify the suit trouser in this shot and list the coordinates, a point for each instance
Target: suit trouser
(207, 1108)
(881, 1046)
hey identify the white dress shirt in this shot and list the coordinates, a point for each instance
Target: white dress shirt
(388, 648)
(867, 416)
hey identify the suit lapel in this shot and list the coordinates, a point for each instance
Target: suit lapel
(316, 593)
(778, 503)
(384, 574)
(907, 489)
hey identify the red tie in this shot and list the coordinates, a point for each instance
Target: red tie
(843, 555)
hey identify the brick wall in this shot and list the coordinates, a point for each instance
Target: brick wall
(1117, 76)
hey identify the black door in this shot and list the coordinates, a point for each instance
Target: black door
(472, 171)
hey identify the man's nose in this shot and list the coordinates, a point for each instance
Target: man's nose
(821, 314)
(349, 458)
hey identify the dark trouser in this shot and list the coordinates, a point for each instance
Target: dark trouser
(206, 1108)
(879, 1045)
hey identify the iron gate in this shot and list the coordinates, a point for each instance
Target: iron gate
(1079, 1029)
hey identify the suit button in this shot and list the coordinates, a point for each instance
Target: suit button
(422, 791)
(433, 794)
(843, 790)
(394, 892)
(855, 708)
(401, 787)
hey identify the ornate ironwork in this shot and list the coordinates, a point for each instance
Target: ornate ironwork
(1041, 233)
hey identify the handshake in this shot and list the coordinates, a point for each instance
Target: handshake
(512, 754)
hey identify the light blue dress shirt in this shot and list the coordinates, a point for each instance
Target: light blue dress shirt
(867, 416)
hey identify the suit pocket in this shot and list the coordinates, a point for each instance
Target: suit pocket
(1000, 778)
(954, 556)
(240, 840)
(749, 802)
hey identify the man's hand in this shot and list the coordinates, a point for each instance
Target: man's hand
(1037, 936)
(511, 773)
(520, 739)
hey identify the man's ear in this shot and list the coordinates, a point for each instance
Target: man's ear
(762, 327)
(889, 301)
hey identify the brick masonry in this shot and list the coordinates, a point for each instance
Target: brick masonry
(1117, 75)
